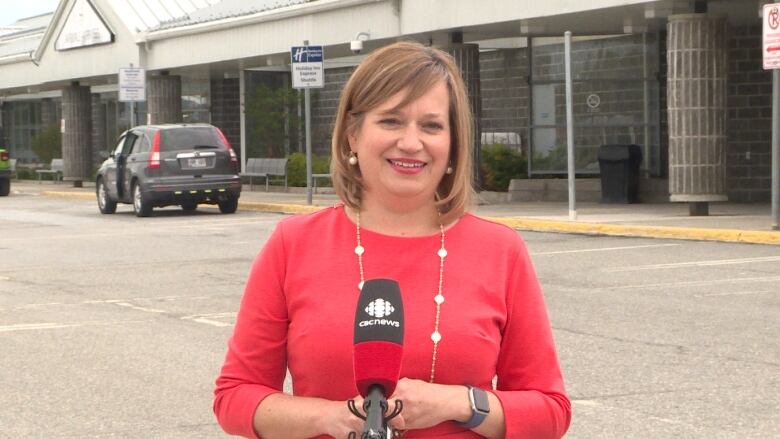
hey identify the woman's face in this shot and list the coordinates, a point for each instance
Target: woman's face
(403, 154)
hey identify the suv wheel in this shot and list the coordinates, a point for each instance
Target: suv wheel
(189, 207)
(141, 207)
(105, 204)
(229, 206)
(5, 187)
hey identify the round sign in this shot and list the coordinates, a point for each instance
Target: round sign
(593, 101)
(774, 18)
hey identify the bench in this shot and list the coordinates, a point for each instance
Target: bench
(314, 178)
(266, 168)
(55, 169)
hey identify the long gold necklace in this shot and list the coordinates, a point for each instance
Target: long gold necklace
(438, 299)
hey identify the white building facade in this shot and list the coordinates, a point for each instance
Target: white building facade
(681, 79)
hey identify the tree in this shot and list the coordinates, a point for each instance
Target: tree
(272, 115)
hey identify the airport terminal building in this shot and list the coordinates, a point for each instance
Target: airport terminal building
(681, 79)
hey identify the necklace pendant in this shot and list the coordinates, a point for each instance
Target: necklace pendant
(359, 250)
(442, 252)
(436, 337)
(439, 299)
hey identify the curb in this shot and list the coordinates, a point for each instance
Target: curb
(686, 233)
(539, 225)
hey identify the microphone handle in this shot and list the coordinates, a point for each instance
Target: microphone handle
(375, 406)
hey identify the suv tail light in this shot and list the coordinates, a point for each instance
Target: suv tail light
(233, 157)
(4, 155)
(154, 154)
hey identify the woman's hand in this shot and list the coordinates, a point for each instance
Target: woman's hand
(426, 404)
(338, 421)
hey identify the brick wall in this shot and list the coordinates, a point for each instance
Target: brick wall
(225, 109)
(325, 102)
(748, 157)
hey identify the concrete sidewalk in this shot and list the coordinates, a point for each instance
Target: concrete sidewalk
(728, 222)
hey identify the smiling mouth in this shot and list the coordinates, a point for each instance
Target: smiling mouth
(408, 165)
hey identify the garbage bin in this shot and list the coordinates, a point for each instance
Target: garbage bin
(619, 165)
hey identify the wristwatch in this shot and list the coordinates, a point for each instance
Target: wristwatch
(480, 407)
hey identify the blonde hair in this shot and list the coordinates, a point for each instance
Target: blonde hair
(385, 72)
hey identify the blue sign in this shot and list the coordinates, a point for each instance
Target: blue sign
(300, 54)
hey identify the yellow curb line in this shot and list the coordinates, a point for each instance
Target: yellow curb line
(722, 235)
(278, 208)
(536, 225)
(81, 195)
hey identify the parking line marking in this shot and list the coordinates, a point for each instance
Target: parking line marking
(695, 283)
(140, 308)
(736, 293)
(204, 318)
(603, 249)
(43, 326)
(711, 263)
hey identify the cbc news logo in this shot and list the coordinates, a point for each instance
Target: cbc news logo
(380, 308)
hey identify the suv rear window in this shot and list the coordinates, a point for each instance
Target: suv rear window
(180, 139)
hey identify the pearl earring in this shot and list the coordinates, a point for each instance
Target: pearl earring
(352, 158)
(449, 170)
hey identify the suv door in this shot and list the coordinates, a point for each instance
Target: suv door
(120, 157)
(110, 174)
(137, 159)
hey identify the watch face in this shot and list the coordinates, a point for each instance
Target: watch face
(481, 400)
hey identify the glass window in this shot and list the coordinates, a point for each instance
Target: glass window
(145, 146)
(180, 139)
(126, 146)
(137, 145)
(615, 100)
(120, 144)
(195, 100)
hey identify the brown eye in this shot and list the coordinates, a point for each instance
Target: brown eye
(390, 122)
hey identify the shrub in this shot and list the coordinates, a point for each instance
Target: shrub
(47, 144)
(296, 168)
(500, 164)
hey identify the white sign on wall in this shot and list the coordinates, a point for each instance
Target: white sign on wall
(132, 85)
(82, 28)
(771, 46)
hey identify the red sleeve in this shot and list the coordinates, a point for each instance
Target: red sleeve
(256, 360)
(530, 384)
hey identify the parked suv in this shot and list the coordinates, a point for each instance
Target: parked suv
(175, 164)
(5, 172)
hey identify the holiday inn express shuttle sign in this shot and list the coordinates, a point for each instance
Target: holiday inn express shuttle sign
(306, 66)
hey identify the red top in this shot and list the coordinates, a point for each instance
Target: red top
(299, 305)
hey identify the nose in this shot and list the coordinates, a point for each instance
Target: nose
(410, 141)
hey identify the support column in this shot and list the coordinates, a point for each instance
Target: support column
(467, 58)
(99, 141)
(697, 91)
(77, 138)
(163, 99)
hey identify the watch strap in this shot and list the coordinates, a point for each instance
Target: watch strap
(479, 407)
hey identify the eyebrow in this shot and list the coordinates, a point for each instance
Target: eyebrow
(392, 112)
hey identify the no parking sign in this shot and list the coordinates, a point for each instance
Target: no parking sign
(771, 46)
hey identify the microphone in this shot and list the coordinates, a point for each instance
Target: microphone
(378, 349)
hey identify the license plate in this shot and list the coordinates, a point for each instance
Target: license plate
(197, 163)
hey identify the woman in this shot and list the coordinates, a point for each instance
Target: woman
(401, 164)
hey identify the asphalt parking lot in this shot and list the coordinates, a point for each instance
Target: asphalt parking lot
(115, 326)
